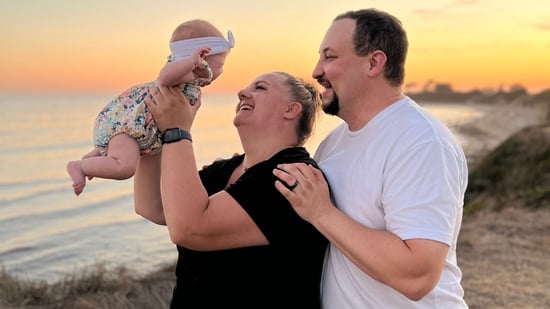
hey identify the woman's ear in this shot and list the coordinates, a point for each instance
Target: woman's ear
(293, 110)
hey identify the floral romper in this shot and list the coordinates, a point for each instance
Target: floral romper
(128, 114)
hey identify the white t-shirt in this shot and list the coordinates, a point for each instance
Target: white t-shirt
(403, 172)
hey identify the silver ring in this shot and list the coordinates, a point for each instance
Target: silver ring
(296, 183)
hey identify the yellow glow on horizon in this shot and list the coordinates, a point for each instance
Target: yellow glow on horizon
(101, 46)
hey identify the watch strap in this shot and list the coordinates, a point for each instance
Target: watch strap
(174, 135)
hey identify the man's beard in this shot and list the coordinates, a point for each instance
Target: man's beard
(333, 107)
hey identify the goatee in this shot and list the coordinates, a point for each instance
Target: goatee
(333, 107)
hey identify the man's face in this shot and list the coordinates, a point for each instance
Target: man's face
(338, 69)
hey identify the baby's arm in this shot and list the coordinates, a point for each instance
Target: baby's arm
(179, 72)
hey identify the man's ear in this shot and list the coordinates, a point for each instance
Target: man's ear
(376, 62)
(294, 109)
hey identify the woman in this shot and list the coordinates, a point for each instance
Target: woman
(239, 241)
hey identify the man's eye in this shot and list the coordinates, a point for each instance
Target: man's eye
(259, 87)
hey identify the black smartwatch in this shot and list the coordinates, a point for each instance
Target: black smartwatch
(174, 135)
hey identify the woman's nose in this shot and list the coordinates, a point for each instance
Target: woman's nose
(242, 94)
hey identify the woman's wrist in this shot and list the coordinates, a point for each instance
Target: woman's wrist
(173, 135)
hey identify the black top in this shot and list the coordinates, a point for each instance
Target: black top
(284, 274)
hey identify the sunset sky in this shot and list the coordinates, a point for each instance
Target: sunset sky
(108, 45)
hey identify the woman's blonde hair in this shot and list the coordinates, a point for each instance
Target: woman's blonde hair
(310, 98)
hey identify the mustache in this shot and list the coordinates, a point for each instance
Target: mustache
(322, 81)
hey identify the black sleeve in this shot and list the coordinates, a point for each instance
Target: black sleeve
(215, 176)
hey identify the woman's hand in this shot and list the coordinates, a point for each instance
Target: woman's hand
(170, 108)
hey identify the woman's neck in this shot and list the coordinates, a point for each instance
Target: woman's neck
(255, 155)
(260, 144)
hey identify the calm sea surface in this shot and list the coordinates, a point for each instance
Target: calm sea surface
(46, 232)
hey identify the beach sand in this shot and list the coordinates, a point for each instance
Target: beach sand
(505, 259)
(504, 255)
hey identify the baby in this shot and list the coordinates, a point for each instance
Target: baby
(125, 129)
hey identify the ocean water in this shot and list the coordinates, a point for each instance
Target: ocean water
(47, 233)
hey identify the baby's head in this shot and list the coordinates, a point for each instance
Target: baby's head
(204, 34)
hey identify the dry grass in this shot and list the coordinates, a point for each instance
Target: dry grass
(93, 288)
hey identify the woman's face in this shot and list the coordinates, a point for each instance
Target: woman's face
(263, 101)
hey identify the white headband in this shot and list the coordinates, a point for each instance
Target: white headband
(184, 48)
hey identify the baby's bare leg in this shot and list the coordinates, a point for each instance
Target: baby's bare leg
(123, 152)
(93, 153)
(120, 163)
(77, 175)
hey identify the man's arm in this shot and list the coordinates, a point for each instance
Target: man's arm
(412, 267)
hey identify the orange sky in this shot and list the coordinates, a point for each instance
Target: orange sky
(107, 46)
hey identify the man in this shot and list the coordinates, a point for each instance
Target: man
(396, 175)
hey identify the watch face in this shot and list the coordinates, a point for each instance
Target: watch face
(174, 135)
(171, 134)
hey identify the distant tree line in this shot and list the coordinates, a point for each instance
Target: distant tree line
(443, 92)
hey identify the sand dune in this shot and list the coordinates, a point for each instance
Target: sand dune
(499, 121)
(504, 255)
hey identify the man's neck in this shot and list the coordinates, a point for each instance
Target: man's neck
(364, 109)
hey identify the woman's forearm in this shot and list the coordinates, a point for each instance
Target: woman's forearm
(184, 198)
(147, 199)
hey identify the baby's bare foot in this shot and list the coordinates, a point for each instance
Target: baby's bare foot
(78, 177)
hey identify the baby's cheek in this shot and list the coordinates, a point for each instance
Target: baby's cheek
(216, 73)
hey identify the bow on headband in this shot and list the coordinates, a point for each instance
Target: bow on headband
(184, 48)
